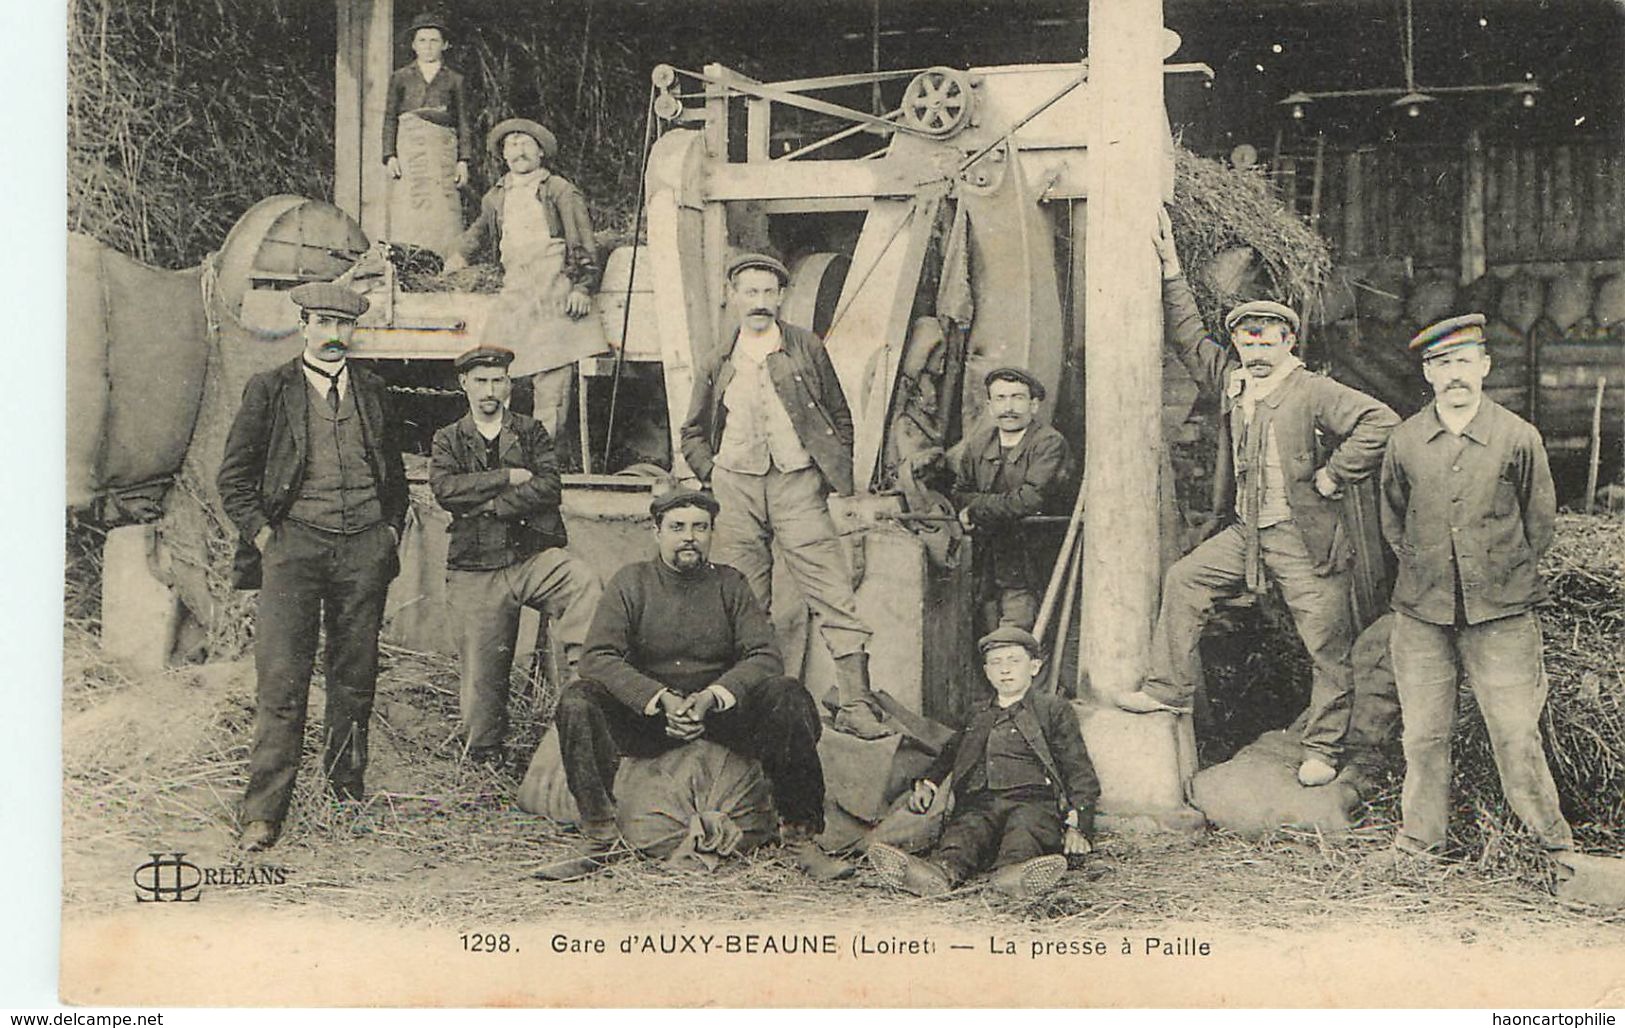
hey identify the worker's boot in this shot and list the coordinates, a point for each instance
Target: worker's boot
(910, 873)
(809, 857)
(859, 713)
(599, 846)
(1030, 878)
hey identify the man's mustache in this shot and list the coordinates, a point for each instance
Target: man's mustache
(760, 310)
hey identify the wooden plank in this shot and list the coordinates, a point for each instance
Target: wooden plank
(1354, 204)
(377, 64)
(860, 180)
(347, 89)
(758, 129)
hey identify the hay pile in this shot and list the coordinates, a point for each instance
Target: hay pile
(1217, 208)
(183, 114)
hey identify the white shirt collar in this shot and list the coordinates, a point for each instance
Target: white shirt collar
(1010, 442)
(1251, 389)
(320, 374)
(755, 346)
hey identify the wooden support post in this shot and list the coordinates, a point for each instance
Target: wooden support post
(1474, 259)
(1596, 445)
(364, 59)
(1137, 754)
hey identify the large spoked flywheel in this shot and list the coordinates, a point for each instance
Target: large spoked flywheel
(938, 102)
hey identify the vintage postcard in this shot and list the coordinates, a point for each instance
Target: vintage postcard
(1037, 503)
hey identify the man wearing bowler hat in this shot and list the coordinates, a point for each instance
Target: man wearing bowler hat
(1469, 508)
(769, 428)
(537, 222)
(1007, 467)
(495, 472)
(312, 477)
(1290, 441)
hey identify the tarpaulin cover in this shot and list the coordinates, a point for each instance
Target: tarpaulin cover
(137, 354)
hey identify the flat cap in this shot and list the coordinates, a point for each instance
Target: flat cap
(683, 498)
(483, 356)
(329, 299)
(767, 262)
(1009, 635)
(426, 20)
(544, 139)
(1448, 334)
(1261, 309)
(1014, 374)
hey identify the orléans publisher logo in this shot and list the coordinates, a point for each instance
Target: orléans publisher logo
(171, 878)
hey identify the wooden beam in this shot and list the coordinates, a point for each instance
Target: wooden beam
(363, 60)
(1474, 257)
(806, 180)
(1138, 756)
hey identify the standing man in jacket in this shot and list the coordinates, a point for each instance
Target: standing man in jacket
(1469, 508)
(1289, 442)
(769, 428)
(312, 477)
(494, 471)
(537, 222)
(1006, 468)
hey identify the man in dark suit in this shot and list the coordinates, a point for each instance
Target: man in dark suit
(312, 477)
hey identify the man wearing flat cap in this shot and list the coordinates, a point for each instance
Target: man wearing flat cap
(312, 477)
(495, 472)
(1290, 441)
(1469, 508)
(537, 222)
(680, 650)
(1009, 466)
(769, 428)
(1024, 786)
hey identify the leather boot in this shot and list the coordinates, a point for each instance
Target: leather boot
(259, 835)
(907, 872)
(810, 858)
(598, 847)
(1030, 878)
(859, 713)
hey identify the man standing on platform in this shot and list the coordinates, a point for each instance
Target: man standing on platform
(681, 650)
(494, 470)
(1469, 508)
(1007, 468)
(769, 427)
(1289, 442)
(313, 479)
(538, 223)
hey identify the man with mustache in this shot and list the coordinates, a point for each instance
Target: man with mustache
(495, 471)
(1469, 508)
(1007, 467)
(313, 479)
(769, 428)
(680, 650)
(1289, 442)
(537, 222)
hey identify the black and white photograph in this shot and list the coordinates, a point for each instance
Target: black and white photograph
(843, 504)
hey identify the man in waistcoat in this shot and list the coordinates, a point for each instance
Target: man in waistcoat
(312, 477)
(1289, 442)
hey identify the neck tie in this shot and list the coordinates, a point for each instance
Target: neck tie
(332, 385)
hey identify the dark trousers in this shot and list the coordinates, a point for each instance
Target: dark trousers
(991, 829)
(776, 723)
(315, 580)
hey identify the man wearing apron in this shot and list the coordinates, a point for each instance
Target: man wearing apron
(538, 223)
(427, 142)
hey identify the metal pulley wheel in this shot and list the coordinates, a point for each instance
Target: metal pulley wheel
(938, 102)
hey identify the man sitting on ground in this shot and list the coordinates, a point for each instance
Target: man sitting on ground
(1024, 787)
